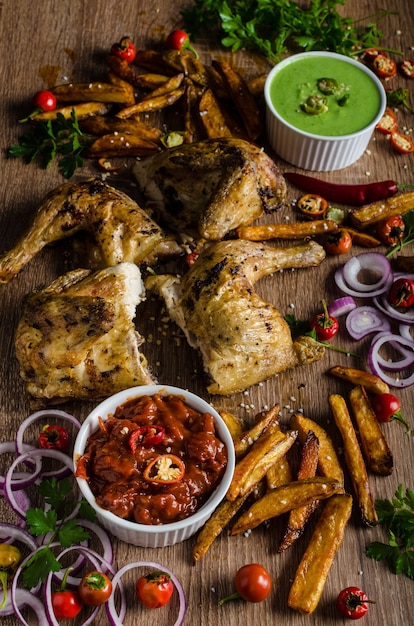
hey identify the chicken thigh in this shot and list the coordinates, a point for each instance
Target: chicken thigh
(208, 188)
(243, 340)
(77, 338)
(120, 230)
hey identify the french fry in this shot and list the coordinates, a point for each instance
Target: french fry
(316, 562)
(375, 449)
(152, 104)
(284, 499)
(234, 424)
(372, 383)
(328, 462)
(200, 73)
(354, 460)
(124, 70)
(279, 474)
(256, 85)
(120, 82)
(91, 92)
(103, 125)
(370, 214)
(193, 129)
(212, 118)
(82, 111)
(297, 230)
(154, 62)
(263, 421)
(171, 84)
(307, 469)
(363, 239)
(115, 145)
(241, 98)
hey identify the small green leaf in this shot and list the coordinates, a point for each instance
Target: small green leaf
(38, 567)
(41, 522)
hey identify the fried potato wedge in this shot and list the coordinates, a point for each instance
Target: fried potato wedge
(234, 424)
(153, 61)
(307, 469)
(328, 462)
(375, 448)
(279, 474)
(200, 73)
(363, 239)
(128, 72)
(193, 127)
(263, 421)
(171, 84)
(125, 145)
(91, 92)
(316, 562)
(372, 383)
(157, 103)
(212, 117)
(370, 214)
(285, 498)
(82, 110)
(354, 460)
(296, 230)
(103, 125)
(256, 85)
(242, 98)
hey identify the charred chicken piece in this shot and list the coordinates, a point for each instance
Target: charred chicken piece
(77, 339)
(243, 339)
(120, 230)
(210, 187)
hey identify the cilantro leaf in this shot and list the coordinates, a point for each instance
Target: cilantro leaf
(54, 491)
(41, 522)
(38, 566)
(70, 532)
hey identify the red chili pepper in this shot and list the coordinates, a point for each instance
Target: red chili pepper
(146, 436)
(313, 206)
(391, 230)
(388, 123)
(384, 67)
(355, 195)
(165, 469)
(54, 437)
(407, 68)
(371, 54)
(352, 603)
(401, 294)
(45, 100)
(324, 324)
(402, 143)
(338, 242)
(179, 40)
(125, 49)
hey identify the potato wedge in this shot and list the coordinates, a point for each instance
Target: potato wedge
(263, 421)
(120, 82)
(152, 104)
(154, 62)
(307, 469)
(279, 474)
(316, 562)
(234, 424)
(200, 73)
(285, 498)
(212, 118)
(256, 85)
(82, 111)
(91, 92)
(354, 460)
(363, 239)
(242, 98)
(171, 84)
(372, 383)
(125, 145)
(328, 462)
(375, 448)
(297, 230)
(104, 125)
(370, 214)
(193, 128)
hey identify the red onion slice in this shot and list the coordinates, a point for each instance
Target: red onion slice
(383, 305)
(374, 359)
(341, 306)
(117, 619)
(10, 531)
(364, 320)
(346, 276)
(21, 479)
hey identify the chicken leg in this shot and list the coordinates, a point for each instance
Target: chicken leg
(243, 339)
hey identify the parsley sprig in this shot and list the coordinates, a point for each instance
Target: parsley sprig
(65, 531)
(60, 139)
(397, 516)
(273, 27)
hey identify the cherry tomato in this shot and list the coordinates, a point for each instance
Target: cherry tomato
(125, 49)
(387, 408)
(95, 588)
(401, 293)
(391, 230)
(155, 589)
(253, 582)
(352, 602)
(324, 324)
(338, 242)
(54, 437)
(66, 604)
(407, 68)
(179, 40)
(388, 123)
(402, 143)
(384, 67)
(313, 206)
(45, 100)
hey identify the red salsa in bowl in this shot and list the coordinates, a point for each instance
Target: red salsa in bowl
(155, 460)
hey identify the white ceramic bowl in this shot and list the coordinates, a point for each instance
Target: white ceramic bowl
(317, 152)
(165, 534)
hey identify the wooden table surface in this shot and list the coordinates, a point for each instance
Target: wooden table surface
(67, 40)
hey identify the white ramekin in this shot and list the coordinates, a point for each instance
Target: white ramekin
(166, 534)
(316, 152)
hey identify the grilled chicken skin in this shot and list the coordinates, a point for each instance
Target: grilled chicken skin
(77, 339)
(120, 230)
(243, 340)
(210, 187)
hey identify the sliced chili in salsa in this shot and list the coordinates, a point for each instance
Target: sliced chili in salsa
(165, 469)
(146, 436)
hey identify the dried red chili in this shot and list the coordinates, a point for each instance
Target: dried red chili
(165, 469)
(146, 436)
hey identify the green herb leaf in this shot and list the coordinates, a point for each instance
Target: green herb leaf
(41, 522)
(70, 533)
(38, 567)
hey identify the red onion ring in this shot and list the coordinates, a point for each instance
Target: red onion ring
(341, 306)
(346, 276)
(364, 320)
(400, 364)
(10, 531)
(22, 479)
(22, 597)
(381, 302)
(117, 619)
(374, 359)
(405, 331)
